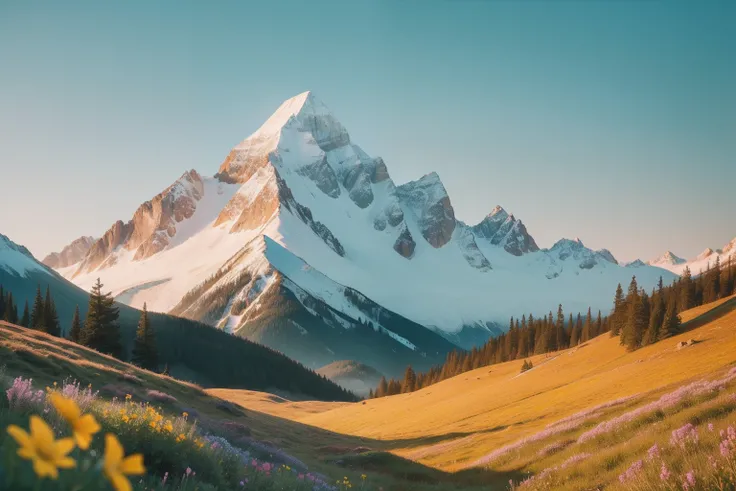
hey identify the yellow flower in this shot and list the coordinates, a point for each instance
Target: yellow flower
(133, 416)
(116, 466)
(83, 426)
(185, 414)
(363, 477)
(125, 419)
(48, 455)
(128, 397)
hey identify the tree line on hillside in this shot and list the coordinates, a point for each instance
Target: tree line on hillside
(638, 319)
(160, 340)
(525, 337)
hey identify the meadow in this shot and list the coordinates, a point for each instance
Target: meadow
(591, 417)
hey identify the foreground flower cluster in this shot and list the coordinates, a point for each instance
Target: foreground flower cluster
(48, 454)
(54, 441)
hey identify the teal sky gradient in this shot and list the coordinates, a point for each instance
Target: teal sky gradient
(612, 121)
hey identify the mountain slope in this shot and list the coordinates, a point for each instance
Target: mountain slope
(193, 351)
(299, 195)
(459, 422)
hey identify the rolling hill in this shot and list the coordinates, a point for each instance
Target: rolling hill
(498, 419)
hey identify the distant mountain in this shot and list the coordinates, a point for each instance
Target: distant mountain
(71, 254)
(193, 351)
(302, 241)
(699, 263)
(353, 376)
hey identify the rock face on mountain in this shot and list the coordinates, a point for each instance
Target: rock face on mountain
(152, 225)
(303, 241)
(428, 201)
(69, 255)
(502, 229)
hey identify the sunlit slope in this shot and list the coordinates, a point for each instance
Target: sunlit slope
(481, 410)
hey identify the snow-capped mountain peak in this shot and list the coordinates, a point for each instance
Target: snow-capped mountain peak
(299, 214)
(668, 258)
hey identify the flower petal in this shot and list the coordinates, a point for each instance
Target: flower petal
(44, 468)
(19, 435)
(66, 463)
(88, 424)
(83, 440)
(41, 433)
(119, 482)
(66, 407)
(63, 447)
(113, 451)
(133, 465)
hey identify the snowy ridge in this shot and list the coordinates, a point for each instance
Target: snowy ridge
(16, 259)
(298, 206)
(700, 263)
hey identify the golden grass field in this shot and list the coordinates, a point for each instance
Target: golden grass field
(450, 425)
(431, 439)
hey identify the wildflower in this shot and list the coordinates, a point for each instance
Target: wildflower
(166, 476)
(83, 426)
(653, 452)
(689, 481)
(47, 454)
(710, 427)
(185, 415)
(116, 466)
(684, 435)
(363, 477)
(189, 470)
(664, 473)
(128, 397)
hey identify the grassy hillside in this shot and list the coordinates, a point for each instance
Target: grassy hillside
(458, 424)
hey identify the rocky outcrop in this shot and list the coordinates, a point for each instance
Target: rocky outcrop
(71, 254)
(323, 176)
(466, 242)
(575, 250)
(405, 244)
(428, 200)
(152, 225)
(358, 183)
(502, 229)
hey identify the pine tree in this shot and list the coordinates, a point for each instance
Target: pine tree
(410, 380)
(655, 319)
(11, 310)
(25, 320)
(561, 340)
(686, 290)
(633, 329)
(37, 312)
(76, 330)
(145, 353)
(50, 317)
(671, 322)
(587, 327)
(574, 334)
(101, 330)
(618, 316)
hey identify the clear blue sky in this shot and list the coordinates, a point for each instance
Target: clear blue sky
(613, 121)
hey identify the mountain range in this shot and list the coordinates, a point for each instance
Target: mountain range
(698, 264)
(302, 241)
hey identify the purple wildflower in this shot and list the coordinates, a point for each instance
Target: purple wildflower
(664, 473)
